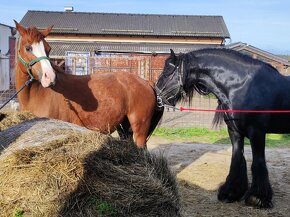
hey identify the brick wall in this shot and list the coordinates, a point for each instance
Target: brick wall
(146, 66)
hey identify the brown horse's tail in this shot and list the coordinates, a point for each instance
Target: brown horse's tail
(158, 113)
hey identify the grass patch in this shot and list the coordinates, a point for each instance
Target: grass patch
(204, 135)
(275, 140)
(19, 213)
(105, 209)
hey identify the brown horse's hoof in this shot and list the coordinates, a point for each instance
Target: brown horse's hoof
(258, 203)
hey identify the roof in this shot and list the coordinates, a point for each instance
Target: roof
(239, 46)
(128, 24)
(60, 47)
(2, 24)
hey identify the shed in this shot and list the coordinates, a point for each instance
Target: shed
(139, 43)
(280, 63)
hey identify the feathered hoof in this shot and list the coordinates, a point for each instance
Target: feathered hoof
(229, 194)
(258, 202)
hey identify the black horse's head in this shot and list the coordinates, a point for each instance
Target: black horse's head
(169, 85)
(180, 76)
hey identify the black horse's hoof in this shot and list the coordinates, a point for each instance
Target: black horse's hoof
(229, 195)
(259, 196)
(258, 203)
(2, 116)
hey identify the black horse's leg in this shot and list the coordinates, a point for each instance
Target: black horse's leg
(236, 183)
(124, 130)
(260, 193)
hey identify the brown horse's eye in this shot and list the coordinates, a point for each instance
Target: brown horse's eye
(28, 48)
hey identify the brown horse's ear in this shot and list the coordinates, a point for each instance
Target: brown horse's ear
(20, 28)
(46, 31)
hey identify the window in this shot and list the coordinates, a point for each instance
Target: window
(77, 63)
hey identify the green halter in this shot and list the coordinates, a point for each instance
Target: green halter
(29, 65)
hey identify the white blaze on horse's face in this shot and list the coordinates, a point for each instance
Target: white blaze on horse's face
(47, 75)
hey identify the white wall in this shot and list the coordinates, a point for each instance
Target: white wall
(5, 33)
(4, 73)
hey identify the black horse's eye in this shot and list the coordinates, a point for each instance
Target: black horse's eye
(170, 68)
(28, 48)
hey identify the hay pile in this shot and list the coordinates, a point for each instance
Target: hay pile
(52, 168)
(8, 119)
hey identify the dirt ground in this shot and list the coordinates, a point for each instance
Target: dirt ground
(202, 168)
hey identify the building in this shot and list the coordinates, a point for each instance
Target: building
(281, 64)
(7, 56)
(85, 43)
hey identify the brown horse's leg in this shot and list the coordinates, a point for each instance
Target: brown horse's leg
(140, 132)
(141, 141)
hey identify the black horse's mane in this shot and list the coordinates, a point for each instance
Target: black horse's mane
(230, 54)
(218, 53)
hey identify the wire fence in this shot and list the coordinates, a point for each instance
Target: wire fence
(174, 118)
(143, 66)
(7, 81)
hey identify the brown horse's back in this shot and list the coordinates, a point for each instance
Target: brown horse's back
(129, 94)
(136, 91)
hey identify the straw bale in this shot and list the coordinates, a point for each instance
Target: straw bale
(53, 168)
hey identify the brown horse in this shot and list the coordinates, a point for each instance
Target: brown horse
(104, 102)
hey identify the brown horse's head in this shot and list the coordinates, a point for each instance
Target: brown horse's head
(33, 53)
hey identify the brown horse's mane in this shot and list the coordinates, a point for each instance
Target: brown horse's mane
(34, 34)
(57, 68)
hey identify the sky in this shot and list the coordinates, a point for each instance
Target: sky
(264, 24)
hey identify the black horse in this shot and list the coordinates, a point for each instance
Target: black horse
(242, 83)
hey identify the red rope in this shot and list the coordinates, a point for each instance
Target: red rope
(233, 110)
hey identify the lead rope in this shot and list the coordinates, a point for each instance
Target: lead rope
(27, 83)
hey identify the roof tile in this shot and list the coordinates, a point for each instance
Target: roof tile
(128, 24)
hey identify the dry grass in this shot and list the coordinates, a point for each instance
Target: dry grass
(8, 119)
(52, 168)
